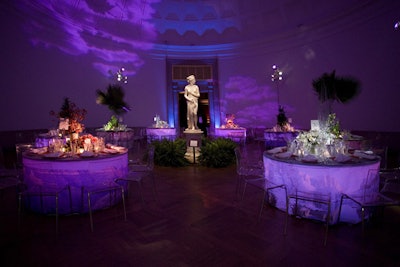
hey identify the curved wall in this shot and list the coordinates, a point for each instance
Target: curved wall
(37, 74)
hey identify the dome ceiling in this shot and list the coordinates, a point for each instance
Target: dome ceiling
(116, 32)
(186, 22)
(205, 22)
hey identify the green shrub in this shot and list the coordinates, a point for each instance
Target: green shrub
(170, 153)
(217, 153)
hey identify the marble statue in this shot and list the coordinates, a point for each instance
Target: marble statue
(192, 94)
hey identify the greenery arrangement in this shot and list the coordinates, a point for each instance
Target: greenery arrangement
(282, 120)
(333, 126)
(217, 153)
(113, 98)
(170, 153)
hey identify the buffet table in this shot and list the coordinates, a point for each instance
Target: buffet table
(328, 177)
(77, 171)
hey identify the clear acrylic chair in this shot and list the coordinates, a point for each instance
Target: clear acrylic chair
(391, 187)
(371, 199)
(239, 138)
(19, 150)
(113, 190)
(265, 186)
(388, 174)
(323, 201)
(246, 170)
(140, 137)
(138, 172)
(33, 192)
(253, 175)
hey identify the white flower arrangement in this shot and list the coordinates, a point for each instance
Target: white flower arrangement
(313, 139)
(310, 138)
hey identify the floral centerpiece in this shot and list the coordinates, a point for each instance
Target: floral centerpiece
(311, 141)
(70, 124)
(229, 122)
(70, 118)
(320, 142)
(91, 143)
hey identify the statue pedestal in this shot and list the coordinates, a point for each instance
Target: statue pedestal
(193, 143)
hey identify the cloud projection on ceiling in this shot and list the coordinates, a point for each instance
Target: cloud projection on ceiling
(111, 31)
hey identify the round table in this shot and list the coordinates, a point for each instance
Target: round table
(329, 178)
(276, 139)
(124, 138)
(77, 172)
(159, 134)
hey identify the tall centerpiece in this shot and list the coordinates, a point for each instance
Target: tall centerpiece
(283, 123)
(113, 98)
(330, 88)
(70, 124)
(326, 139)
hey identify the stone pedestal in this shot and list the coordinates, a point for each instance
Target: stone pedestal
(193, 143)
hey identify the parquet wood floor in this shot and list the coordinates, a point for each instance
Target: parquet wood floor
(196, 222)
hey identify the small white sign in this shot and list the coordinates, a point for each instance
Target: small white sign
(193, 143)
(315, 125)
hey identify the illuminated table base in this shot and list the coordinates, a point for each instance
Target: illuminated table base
(333, 180)
(77, 173)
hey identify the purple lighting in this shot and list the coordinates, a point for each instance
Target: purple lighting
(240, 91)
(110, 31)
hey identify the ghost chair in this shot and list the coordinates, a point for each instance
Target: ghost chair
(114, 191)
(319, 200)
(29, 194)
(372, 200)
(138, 172)
(246, 169)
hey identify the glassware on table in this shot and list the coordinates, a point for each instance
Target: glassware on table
(55, 145)
(99, 144)
(340, 147)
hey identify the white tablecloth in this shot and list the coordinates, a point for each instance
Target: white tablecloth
(331, 179)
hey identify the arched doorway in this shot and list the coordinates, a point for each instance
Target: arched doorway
(206, 75)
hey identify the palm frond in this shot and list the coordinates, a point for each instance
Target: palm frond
(330, 87)
(113, 98)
